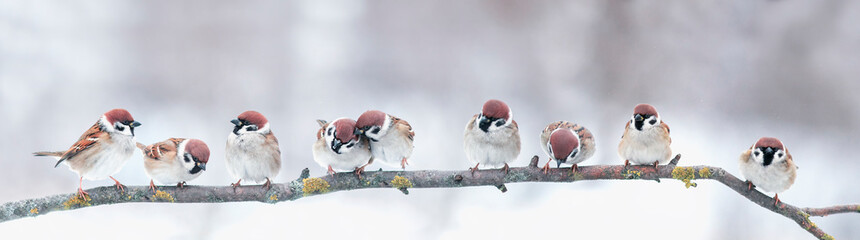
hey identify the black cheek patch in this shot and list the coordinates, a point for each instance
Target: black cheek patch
(653, 121)
(350, 145)
(375, 131)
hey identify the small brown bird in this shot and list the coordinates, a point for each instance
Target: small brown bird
(492, 137)
(390, 137)
(174, 161)
(646, 138)
(102, 150)
(252, 150)
(338, 148)
(566, 142)
(769, 166)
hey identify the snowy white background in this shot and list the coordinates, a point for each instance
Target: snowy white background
(722, 74)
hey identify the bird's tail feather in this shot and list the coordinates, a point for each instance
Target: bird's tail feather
(52, 154)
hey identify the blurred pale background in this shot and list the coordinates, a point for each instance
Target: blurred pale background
(721, 73)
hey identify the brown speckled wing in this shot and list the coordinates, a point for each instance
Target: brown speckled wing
(271, 138)
(745, 156)
(90, 137)
(626, 126)
(471, 125)
(666, 126)
(323, 126)
(168, 148)
(400, 123)
(586, 139)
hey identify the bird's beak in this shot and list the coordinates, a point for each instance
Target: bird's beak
(335, 145)
(201, 165)
(557, 163)
(358, 131)
(639, 118)
(134, 124)
(236, 122)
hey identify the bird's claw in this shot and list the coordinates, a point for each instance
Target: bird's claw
(546, 168)
(268, 184)
(403, 163)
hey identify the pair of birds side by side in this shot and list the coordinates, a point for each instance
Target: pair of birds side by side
(252, 152)
(491, 139)
(345, 145)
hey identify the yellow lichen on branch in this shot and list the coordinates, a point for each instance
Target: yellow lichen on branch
(632, 174)
(314, 185)
(704, 173)
(401, 182)
(686, 175)
(77, 201)
(162, 196)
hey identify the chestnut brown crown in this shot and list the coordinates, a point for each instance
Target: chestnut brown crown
(253, 117)
(496, 109)
(770, 142)
(198, 149)
(370, 118)
(645, 109)
(344, 130)
(563, 142)
(118, 115)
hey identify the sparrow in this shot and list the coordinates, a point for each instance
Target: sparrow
(102, 150)
(646, 138)
(338, 148)
(566, 142)
(390, 137)
(492, 137)
(252, 150)
(174, 161)
(768, 165)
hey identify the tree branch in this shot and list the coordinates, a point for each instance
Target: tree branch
(403, 180)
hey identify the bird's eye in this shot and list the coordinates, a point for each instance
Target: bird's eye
(756, 153)
(500, 122)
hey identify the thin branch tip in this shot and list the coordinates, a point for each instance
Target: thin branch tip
(534, 162)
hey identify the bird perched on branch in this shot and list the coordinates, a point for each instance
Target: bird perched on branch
(174, 161)
(102, 150)
(390, 137)
(769, 166)
(252, 150)
(566, 142)
(338, 148)
(492, 137)
(646, 138)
